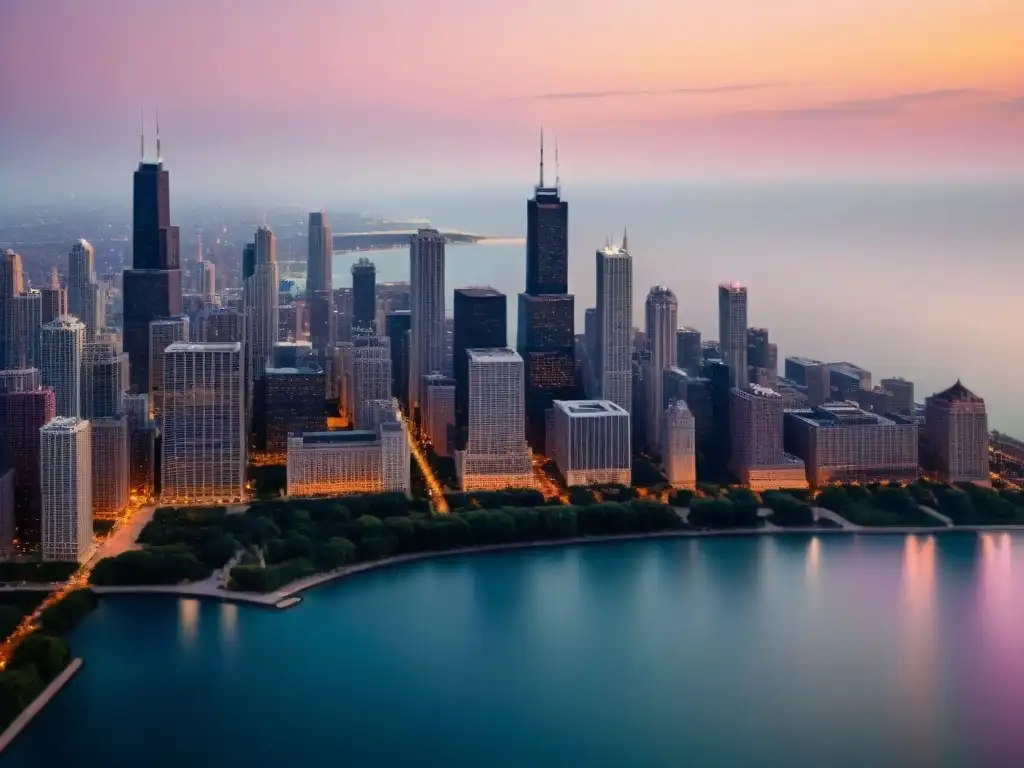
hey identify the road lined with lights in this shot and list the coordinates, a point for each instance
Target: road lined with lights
(78, 580)
(434, 489)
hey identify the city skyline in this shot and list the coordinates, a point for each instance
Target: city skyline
(702, 90)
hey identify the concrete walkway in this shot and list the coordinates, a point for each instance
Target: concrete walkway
(947, 521)
(842, 522)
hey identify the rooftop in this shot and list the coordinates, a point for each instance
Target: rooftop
(757, 389)
(833, 415)
(65, 322)
(957, 393)
(588, 407)
(495, 354)
(63, 424)
(339, 437)
(804, 361)
(190, 346)
(733, 287)
(308, 369)
(480, 292)
(294, 344)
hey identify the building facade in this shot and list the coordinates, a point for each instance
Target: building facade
(680, 455)
(956, 436)
(162, 333)
(66, 489)
(204, 438)
(396, 327)
(481, 322)
(661, 313)
(364, 294)
(62, 343)
(294, 403)
(262, 304)
(613, 347)
(23, 313)
(86, 300)
(757, 457)
(732, 330)
(902, 395)
(591, 442)
(319, 293)
(439, 420)
(110, 468)
(427, 303)
(22, 416)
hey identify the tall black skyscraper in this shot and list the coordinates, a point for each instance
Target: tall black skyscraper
(481, 322)
(319, 296)
(545, 338)
(364, 294)
(152, 287)
(396, 328)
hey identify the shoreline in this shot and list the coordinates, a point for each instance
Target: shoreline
(288, 595)
(36, 706)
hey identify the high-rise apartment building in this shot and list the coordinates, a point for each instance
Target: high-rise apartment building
(840, 443)
(732, 330)
(54, 299)
(152, 287)
(813, 377)
(12, 283)
(342, 317)
(591, 442)
(294, 403)
(221, 326)
(496, 454)
(104, 379)
(367, 376)
(61, 345)
(613, 347)
(208, 282)
(661, 312)
(439, 412)
(364, 294)
(24, 313)
(757, 458)
(66, 489)
(956, 435)
(86, 300)
(689, 355)
(22, 415)
(203, 424)
(680, 454)
(427, 300)
(481, 322)
(262, 304)
(319, 294)
(397, 325)
(162, 333)
(110, 467)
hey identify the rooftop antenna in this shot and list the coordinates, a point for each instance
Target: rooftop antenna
(158, 158)
(558, 179)
(142, 135)
(541, 185)
(625, 240)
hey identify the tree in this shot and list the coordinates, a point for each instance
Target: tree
(787, 511)
(64, 615)
(681, 498)
(18, 687)
(712, 513)
(49, 655)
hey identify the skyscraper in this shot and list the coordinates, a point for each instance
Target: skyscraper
(481, 322)
(426, 332)
(439, 412)
(367, 372)
(54, 299)
(756, 456)
(319, 293)
(23, 321)
(221, 325)
(84, 295)
(66, 488)
(11, 284)
(680, 446)
(22, 415)
(110, 474)
(956, 435)
(152, 287)
(732, 330)
(496, 455)
(688, 350)
(364, 294)
(208, 283)
(903, 395)
(396, 327)
(61, 346)
(546, 334)
(614, 343)
(20, 380)
(104, 379)
(591, 442)
(162, 333)
(204, 431)
(661, 311)
(294, 400)
(262, 304)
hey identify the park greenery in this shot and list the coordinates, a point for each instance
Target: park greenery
(42, 655)
(275, 542)
(885, 505)
(35, 571)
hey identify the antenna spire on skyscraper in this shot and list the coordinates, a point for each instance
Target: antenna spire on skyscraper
(158, 158)
(625, 240)
(541, 157)
(142, 135)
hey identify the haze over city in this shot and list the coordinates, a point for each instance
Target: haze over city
(304, 103)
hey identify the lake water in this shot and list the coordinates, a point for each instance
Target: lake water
(916, 280)
(789, 651)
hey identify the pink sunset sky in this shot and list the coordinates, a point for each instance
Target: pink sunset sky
(302, 94)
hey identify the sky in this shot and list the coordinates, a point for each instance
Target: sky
(293, 98)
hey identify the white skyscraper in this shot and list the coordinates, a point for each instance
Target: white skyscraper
(61, 345)
(261, 298)
(209, 282)
(66, 485)
(591, 442)
(661, 311)
(614, 344)
(680, 454)
(427, 320)
(162, 333)
(203, 424)
(496, 454)
(86, 299)
(110, 477)
(367, 372)
(732, 331)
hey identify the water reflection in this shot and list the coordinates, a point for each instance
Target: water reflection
(919, 650)
(228, 624)
(812, 564)
(188, 621)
